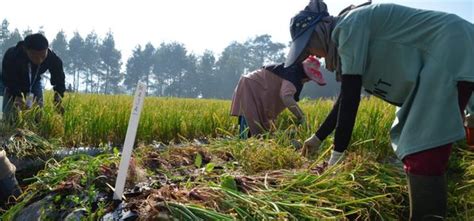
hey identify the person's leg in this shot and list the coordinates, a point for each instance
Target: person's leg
(426, 172)
(37, 91)
(8, 107)
(244, 132)
(427, 183)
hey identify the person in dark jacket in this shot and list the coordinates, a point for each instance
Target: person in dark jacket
(22, 68)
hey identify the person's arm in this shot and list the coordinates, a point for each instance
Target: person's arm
(9, 74)
(312, 144)
(329, 124)
(287, 93)
(349, 103)
(57, 74)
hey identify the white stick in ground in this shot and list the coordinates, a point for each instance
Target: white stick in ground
(140, 94)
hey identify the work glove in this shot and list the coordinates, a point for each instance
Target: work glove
(310, 146)
(335, 157)
(296, 144)
(19, 102)
(469, 121)
(301, 121)
(57, 101)
(469, 129)
(298, 113)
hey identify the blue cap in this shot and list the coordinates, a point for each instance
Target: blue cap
(301, 28)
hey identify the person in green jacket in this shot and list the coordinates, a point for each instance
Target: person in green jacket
(417, 60)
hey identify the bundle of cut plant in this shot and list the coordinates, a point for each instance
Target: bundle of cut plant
(27, 150)
(25, 144)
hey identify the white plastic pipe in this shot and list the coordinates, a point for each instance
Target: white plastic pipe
(140, 94)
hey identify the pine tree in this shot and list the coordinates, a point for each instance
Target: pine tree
(111, 65)
(76, 62)
(60, 46)
(91, 58)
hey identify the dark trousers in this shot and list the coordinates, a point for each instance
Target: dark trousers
(244, 131)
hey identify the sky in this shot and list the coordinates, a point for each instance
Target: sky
(198, 24)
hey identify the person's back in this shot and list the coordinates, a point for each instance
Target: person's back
(268, 86)
(270, 82)
(437, 42)
(439, 35)
(402, 24)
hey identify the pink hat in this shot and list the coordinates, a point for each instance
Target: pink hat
(311, 67)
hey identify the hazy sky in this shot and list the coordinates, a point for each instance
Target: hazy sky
(198, 24)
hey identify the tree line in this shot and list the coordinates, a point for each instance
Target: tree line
(94, 65)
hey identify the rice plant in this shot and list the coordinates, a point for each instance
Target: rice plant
(261, 178)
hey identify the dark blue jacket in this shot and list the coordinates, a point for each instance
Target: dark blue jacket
(15, 72)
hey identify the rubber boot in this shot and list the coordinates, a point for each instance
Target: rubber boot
(428, 197)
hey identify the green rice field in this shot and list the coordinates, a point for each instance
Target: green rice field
(188, 164)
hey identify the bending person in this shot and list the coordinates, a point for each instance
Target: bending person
(260, 96)
(418, 60)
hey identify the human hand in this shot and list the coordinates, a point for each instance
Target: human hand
(57, 101)
(301, 121)
(335, 157)
(310, 146)
(19, 102)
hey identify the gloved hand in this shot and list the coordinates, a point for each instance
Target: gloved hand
(298, 113)
(19, 102)
(469, 129)
(57, 101)
(296, 144)
(301, 121)
(310, 146)
(335, 157)
(469, 121)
